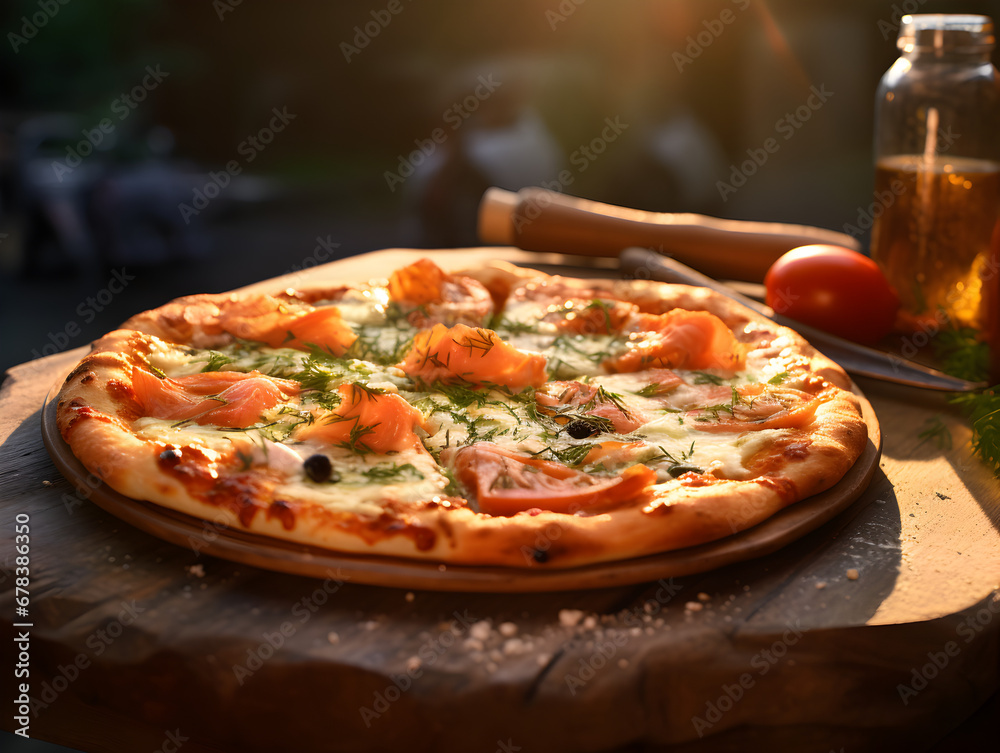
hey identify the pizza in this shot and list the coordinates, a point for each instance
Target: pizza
(497, 416)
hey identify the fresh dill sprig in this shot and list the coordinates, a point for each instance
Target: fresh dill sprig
(964, 355)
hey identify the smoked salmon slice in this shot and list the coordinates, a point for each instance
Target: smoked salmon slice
(222, 398)
(592, 400)
(472, 355)
(367, 421)
(679, 339)
(268, 320)
(439, 298)
(505, 483)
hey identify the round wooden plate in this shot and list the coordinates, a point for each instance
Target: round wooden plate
(273, 554)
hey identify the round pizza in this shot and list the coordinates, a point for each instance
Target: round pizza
(496, 416)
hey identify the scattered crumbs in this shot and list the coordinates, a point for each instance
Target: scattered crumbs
(409, 596)
(507, 629)
(473, 644)
(938, 494)
(880, 502)
(820, 585)
(543, 659)
(589, 622)
(46, 482)
(491, 667)
(704, 597)
(570, 617)
(694, 606)
(513, 647)
(332, 638)
(370, 625)
(623, 663)
(480, 630)
(852, 574)
(198, 570)
(413, 664)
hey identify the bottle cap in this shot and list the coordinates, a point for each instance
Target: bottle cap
(943, 32)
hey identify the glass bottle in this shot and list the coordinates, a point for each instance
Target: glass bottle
(937, 171)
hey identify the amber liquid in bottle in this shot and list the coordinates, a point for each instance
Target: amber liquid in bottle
(933, 237)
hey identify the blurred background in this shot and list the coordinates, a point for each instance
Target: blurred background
(151, 149)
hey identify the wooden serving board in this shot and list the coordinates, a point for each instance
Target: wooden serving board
(136, 642)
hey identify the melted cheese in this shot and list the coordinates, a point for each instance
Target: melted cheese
(366, 481)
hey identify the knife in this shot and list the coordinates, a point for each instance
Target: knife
(642, 263)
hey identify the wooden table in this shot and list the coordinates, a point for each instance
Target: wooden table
(137, 644)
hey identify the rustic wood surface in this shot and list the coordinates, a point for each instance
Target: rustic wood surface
(137, 644)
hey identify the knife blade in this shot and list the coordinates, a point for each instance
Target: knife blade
(860, 360)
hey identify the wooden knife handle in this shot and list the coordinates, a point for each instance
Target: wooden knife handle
(536, 219)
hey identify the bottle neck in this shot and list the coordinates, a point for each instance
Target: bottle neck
(924, 56)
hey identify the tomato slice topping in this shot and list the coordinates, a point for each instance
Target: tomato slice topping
(506, 483)
(472, 355)
(679, 339)
(223, 398)
(367, 421)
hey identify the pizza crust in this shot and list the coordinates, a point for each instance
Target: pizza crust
(96, 407)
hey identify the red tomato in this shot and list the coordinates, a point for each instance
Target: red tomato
(834, 289)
